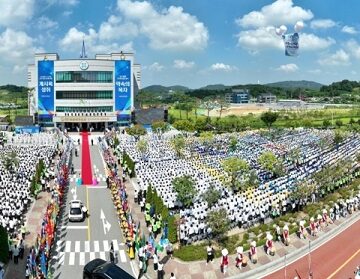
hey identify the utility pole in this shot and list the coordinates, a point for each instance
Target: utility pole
(309, 259)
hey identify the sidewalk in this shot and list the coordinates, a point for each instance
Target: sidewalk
(265, 264)
(34, 219)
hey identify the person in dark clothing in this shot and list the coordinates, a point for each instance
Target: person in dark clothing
(107, 182)
(92, 142)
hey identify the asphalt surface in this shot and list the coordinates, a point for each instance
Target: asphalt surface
(336, 259)
(79, 242)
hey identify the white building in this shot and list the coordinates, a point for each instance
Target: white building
(83, 92)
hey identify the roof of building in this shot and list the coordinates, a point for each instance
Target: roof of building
(24, 120)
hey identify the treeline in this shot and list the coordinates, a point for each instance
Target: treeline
(14, 88)
(341, 87)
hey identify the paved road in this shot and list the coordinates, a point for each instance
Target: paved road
(335, 259)
(78, 243)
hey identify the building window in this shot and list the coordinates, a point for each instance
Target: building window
(66, 95)
(88, 76)
(85, 109)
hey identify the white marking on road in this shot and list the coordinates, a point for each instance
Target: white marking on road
(122, 256)
(77, 246)
(92, 256)
(106, 224)
(68, 246)
(97, 187)
(76, 227)
(96, 246)
(61, 258)
(71, 258)
(116, 245)
(106, 245)
(58, 245)
(87, 246)
(103, 256)
(82, 258)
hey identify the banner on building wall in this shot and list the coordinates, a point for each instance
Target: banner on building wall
(122, 89)
(46, 88)
(291, 42)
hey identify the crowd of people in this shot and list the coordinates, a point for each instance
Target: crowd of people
(314, 151)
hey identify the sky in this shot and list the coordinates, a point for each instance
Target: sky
(187, 42)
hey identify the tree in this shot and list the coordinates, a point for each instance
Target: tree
(207, 137)
(10, 161)
(338, 123)
(188, 106)
(211, 196)
(269, 118)
(326, 123)
(233, 143)
(352, 121)
(269, 162)
(142, 146)
(184, 186)
(222, 104)
(4, 245)
(136, 130)
(178, 143)
(208, 104)
(159, 125)
(236, 169)
(338, 137)
(218, 222)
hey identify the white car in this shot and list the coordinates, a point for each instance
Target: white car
(76, 211)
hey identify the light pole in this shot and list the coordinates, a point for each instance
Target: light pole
(309, 259)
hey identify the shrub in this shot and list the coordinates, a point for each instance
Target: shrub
(191, 252)
(4, 245)
(172, 229)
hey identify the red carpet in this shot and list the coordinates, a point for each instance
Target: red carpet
(86, 169)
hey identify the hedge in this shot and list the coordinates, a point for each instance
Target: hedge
(36, 181)
(4, 245)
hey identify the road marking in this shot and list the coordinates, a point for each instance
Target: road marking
(116, 245)
(82, 258)
(103, 256)
(88, 208)
(71, 258)
(344, 264)
(68, 246)
(92, 256)
(97, 187)
(106, 245)
(106, 224)
(76, 227)
(61, 258)
(77, 246)
(87, 246)
(96, 246)
(58, 245)
(122, 256)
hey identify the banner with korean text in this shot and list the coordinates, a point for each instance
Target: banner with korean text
(123, 89)
(46, 88)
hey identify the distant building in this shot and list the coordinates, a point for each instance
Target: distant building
(266, 98)
(238, 96)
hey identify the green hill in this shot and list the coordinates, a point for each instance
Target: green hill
(305, 84)
(164, 89)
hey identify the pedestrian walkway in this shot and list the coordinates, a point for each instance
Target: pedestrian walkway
(33, 224)
(199, 269)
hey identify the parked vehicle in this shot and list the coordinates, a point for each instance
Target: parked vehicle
(100, 269)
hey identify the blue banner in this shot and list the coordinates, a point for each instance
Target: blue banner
(46, 88)
(122, 89)
(291, 42)
(27, 130)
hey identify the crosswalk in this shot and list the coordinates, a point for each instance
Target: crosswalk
(79, 253)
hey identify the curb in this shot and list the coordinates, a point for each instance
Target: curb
(277, 264)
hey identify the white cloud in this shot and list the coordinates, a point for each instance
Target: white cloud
(114, 27)
(182, 64)
(288, 68)
(338, 58)
(322, 23)
(170, 29)
(46, 23)
(265, 37)
(222, 67)
(277, 13)
(354, 48)
(349, 29)
(67, 13)
(18, 69)
(156, 67)
(314, 71)
(93, 43)
(14, 13)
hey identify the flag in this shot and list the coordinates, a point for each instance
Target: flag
(43, 263)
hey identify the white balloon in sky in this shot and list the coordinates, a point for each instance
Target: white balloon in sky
(283, 29)
(299, 26)
(278, 31)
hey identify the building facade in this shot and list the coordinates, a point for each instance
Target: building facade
(238, 96)
(267, 98)
(83, 93)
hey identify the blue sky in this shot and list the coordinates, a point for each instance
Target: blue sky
(191, 43)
